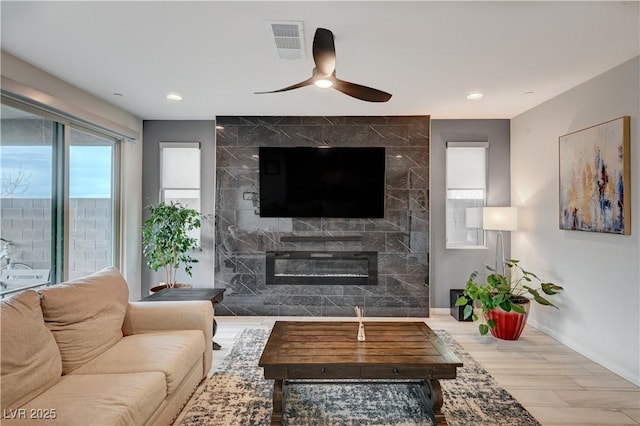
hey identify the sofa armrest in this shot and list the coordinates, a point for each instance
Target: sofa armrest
(148, 317)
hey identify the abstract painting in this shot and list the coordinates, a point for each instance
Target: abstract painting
(594, 178)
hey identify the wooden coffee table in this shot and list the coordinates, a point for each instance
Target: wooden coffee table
(405, 351)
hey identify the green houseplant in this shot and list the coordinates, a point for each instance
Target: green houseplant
(166, 239)
(504, 299)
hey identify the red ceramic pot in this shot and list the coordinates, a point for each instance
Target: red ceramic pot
(509, 325)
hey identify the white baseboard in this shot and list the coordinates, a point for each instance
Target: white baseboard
(620, 371)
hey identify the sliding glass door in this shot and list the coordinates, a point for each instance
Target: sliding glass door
(91, 203)
(58, 201)
(26, 198)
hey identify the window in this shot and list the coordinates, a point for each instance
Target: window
(180, 175)
(466, 194)
(59, 189)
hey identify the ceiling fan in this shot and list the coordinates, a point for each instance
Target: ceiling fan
(324, 73)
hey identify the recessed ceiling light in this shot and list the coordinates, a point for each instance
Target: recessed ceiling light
(399, 156)
(475, 95)
(174, 97)
(219, 127)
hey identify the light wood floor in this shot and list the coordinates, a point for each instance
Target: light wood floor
(556, 384)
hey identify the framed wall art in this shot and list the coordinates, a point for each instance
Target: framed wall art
(595, 178)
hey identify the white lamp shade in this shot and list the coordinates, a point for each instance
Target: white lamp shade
(500, 218)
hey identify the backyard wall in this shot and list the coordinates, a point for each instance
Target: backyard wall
(27, 222)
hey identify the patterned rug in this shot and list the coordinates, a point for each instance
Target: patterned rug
(239, 395)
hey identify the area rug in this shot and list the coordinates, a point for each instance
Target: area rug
(238, 395)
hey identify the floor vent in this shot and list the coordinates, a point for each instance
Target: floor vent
(287, 38)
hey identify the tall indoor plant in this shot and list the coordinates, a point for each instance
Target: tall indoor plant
(167, 241)
(503, 298)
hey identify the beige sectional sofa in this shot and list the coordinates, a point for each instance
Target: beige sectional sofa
(80, 353)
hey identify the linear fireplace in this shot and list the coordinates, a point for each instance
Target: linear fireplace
(322, 267)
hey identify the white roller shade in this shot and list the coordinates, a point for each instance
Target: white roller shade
(466, 167)
(180, 166)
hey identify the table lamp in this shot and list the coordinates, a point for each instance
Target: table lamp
(500, 219)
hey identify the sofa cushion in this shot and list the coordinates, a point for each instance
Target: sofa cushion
(174, 353)
(110, 399)
(30, 359)
(86, 315)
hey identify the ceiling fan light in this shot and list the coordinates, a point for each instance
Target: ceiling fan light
(323, 83)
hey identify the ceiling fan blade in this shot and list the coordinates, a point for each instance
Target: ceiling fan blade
(324, 56)
(324, 52)
(358, 91)
(307, 82)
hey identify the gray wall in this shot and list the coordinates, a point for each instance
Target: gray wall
(401, 238)
(202, 131)
(450, 268)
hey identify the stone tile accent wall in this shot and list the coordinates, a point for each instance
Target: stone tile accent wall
(401, 238)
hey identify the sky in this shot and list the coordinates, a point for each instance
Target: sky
(89, 172)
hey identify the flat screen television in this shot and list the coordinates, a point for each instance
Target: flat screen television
(322, 182)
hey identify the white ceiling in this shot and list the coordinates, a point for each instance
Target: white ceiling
(429, 55)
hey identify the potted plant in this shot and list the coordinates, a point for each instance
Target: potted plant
(504, 301)
(166, 240)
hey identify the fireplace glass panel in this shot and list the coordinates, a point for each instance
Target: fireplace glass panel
(357, 268)
(315, 267)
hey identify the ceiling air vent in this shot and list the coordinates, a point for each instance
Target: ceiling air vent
(287, 37)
